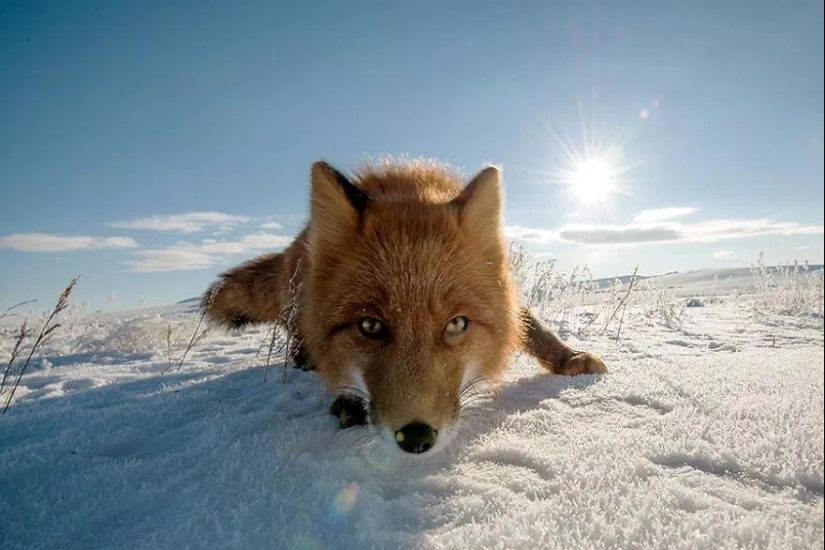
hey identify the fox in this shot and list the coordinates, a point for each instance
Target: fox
(398, 293)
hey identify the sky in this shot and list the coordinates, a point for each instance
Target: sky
(149, 146)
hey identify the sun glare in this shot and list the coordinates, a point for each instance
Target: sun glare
(593, 177)
(592, 171)
(592, 180)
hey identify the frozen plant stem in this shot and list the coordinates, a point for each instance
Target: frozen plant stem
(197, 336)
(47, 329)
(272, 340)
(21, 335)
(168, 346)
(289, 317)
(15, 306)
(622, 305)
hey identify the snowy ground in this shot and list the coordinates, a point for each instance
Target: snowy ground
(707, 433)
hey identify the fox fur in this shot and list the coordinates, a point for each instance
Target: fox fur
(398, 292)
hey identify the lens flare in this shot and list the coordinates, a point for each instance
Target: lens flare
(345, 501)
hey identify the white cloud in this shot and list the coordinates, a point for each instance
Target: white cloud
(531, 235)
(723, 254)
(172, 259)
(663, 214)
(186, 255)
(262, 241)
(618, 234)
(270, 225)
(191, 222)
(665, 232)
(44, 242)
(715, 230)
(247, 243)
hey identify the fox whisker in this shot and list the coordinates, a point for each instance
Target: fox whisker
(363, 440)
(356, 392)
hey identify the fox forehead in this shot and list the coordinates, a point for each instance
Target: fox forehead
(397, 278)
(426, 281)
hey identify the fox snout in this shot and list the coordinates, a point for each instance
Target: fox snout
(416, 437)
(413, 406)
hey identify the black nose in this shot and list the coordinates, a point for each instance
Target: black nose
(416, 437)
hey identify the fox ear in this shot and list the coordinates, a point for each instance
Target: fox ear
(336, 204)
(479, 204)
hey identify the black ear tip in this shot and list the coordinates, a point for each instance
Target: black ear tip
(323, 169)
(355, 195)
(322, 164)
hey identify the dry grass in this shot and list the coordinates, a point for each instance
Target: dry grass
(573, 303)
(46, 330)
(792, 289)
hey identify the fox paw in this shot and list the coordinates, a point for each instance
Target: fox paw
(582, 362)
(349, 410)
(300, 359)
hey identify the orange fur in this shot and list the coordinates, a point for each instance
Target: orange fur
(408, 244)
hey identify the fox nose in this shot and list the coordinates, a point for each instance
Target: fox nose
(416, 437)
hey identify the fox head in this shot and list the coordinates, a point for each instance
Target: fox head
(413, 303)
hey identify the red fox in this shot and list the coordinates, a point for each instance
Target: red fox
(399, 293)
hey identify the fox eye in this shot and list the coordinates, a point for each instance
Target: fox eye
(371, 327)
(456, 326)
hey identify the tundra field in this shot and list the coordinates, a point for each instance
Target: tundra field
(143, 430)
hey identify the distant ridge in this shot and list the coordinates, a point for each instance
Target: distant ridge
(696, 281)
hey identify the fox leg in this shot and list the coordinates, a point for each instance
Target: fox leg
(247, 294)
(300, 357)
(259, 291)
(553, 354)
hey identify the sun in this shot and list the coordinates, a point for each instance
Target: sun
(593, 177)
(592, 180)
(592, 172)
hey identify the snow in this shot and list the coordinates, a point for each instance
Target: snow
(705, 434)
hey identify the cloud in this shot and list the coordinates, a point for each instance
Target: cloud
(260, 241)
(715, 230)
(44, 242)
(620, 234)
(171, 259)
(209, 252)
(723, 254)
(664, 232)
(531, 235)
(247, 243)
(663, 214)
(191, 222)
(270, 225)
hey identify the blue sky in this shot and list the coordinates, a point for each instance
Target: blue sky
(151, 145)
